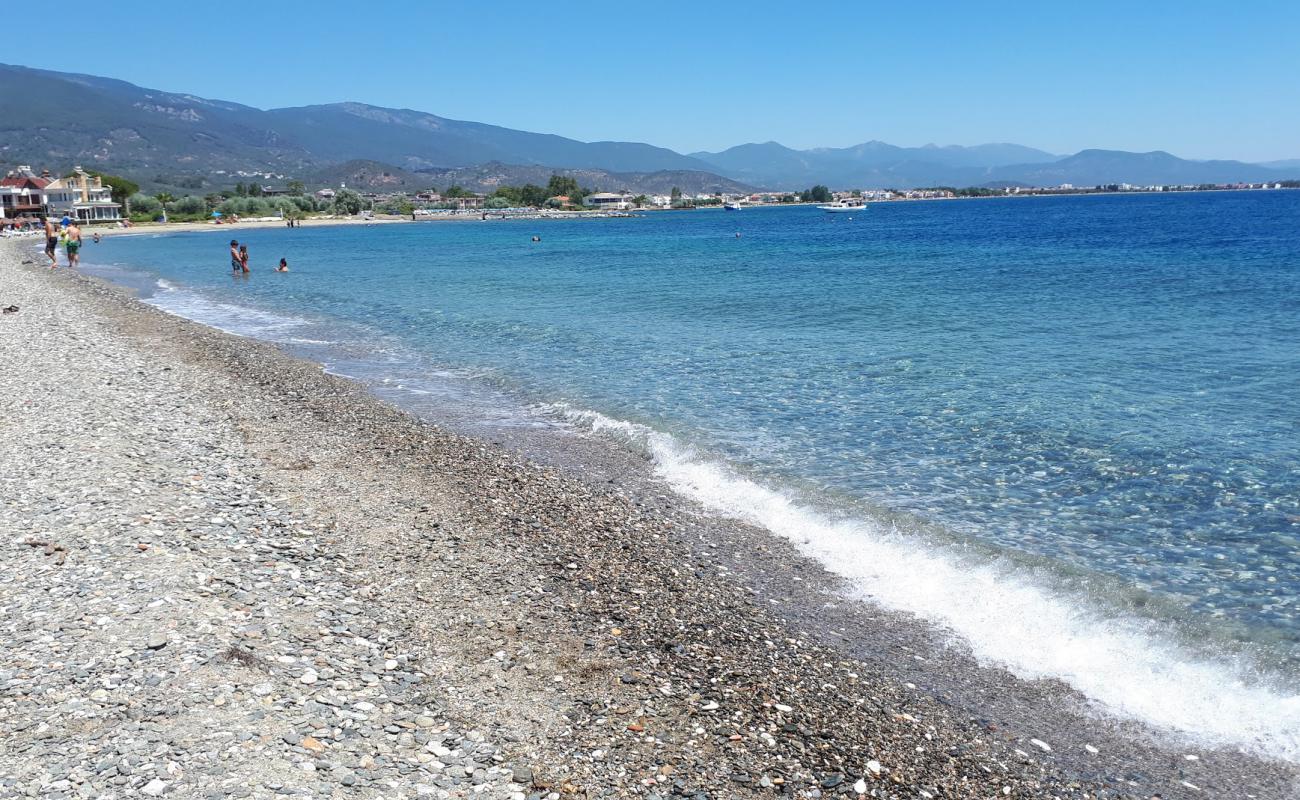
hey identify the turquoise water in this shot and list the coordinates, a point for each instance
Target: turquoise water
(1091, 400)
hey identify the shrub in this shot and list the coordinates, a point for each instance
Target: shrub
(189, 206)
(145, 205)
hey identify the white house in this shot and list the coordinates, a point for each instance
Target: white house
(83, 197)
(608, 201)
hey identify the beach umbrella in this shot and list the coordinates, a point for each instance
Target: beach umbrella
(216, 213)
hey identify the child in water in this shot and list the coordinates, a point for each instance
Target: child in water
(243, 258)
(284, 266)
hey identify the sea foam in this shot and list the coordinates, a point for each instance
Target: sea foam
(1006, 618)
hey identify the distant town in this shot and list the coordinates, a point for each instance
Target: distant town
(90, 197)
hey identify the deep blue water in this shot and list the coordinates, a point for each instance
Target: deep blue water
(1092, 392)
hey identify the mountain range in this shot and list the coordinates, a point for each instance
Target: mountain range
(161, 138)
(376, 176)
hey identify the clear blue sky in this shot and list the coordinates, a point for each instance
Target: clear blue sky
(1200, 79)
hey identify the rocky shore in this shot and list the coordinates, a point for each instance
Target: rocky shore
(225, 573)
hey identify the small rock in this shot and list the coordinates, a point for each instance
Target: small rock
(157, 640)
(154, 788)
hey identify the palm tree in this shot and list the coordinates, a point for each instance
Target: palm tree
(164, 198)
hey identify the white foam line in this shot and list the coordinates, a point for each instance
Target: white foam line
(1006, 618)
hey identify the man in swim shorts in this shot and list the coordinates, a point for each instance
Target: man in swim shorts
(51, 242)
(236, 263)
(73, 245)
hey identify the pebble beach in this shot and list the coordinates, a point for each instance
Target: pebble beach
(225, 573)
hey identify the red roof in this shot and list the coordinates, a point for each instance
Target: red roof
(25, 181)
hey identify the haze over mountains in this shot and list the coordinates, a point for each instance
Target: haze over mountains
(58, 119)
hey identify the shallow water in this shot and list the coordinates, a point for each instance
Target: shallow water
(1066, 428)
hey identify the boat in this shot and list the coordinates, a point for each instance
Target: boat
(731, 206)
(840, 206)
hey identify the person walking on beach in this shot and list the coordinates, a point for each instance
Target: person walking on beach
(236, 264)
(243, 258)
(51, 241)
(73, 245)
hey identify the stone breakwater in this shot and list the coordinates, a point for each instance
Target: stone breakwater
(224, 573)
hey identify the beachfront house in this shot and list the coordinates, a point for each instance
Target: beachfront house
(22, 194)
(464, 203)
(608, 201)
(83, 197)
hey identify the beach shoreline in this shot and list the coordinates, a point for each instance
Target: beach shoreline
(622, 618)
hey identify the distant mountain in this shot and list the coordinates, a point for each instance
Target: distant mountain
(1289, 163)
(1092, 167)
(880, 165)
(164, 139)
(414, 140)
(487, 177)
(868, 164)
(366, 176)
(57, 119)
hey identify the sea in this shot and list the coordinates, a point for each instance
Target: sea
(1063, 430)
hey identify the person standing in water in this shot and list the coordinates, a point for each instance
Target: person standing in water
(235, 264)
(284, 266)
(51, 241)
(73, 245)
(243, 258)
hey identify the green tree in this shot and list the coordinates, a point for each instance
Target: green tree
(457, 191)
(512, 195)
(530, 194)
(817, 194)
(676, 194)
(163, 199)
(640, 201)
(241, 190)
(142, 205)
(192, 206)
(296, 188)
(563, 185)
(254, 190)
(348, 202)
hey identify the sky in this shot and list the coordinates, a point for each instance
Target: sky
(1198, 79)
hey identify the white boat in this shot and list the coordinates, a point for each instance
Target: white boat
(731, 206)
(840, 206)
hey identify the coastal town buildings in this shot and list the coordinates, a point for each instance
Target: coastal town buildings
(83, 197)
(22, 193)
(80, 196)
(608, 201)
(463, 203)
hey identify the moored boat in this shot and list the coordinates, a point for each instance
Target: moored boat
(840, 206)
